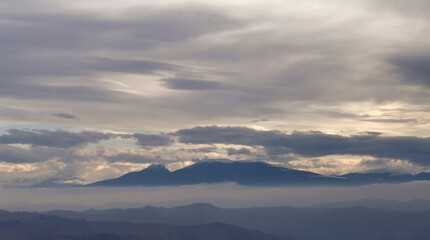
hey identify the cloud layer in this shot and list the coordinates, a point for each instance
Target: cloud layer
(92, 155)
(227, 64)
(48, 138)
(313, 144)
(336, 86)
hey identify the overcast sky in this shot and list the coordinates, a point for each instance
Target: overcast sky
(93, 89)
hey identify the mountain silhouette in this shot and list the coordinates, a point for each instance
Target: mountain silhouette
(352, 223)
(249, 173)
(243, 173)
(33, 226)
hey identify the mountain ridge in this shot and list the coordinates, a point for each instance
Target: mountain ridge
(36, 226)
(352, 223)
(244, 173)
(251, 174)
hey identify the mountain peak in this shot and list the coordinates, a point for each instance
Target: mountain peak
(157, 167)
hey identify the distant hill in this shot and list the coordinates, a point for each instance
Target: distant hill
(355, 223)
(59, 183)
(248, 173)
(381, 204)
(31, 226)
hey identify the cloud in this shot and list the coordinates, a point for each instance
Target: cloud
(387, 165)
(260, 120)
(151, 140)
(414, 69)
(37, 154)
(313, 144)
(64, 115)
(134, 158)
(227, 195)
(49, 43)
(28, 91)
(128, 66)
(13, 154)
(228, 62)
(191, 84)
(58, 138)
(412, 9)
(64, 27)
(233, 151)
(229, 65)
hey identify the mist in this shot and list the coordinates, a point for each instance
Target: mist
(221, 195)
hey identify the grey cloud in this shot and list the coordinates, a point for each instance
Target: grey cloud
(380, 163)
(411, 9)
(65, 139)
(227, 196)
(215, 134)
(60, 93)
(27, 67)
(203, 149)
(389, 165)
(59, 138)
(134, 158)
(389, 120)
(181, 23)
(12, 154)
(191, 84)
(277, 67)
(53, 40)
(415, 69)
(128, 66)
(151, 140)
(138, 27)
(372, 133)
(198, 150)
(313, 144)
(64, 115)
(233, 151)
(260, 120)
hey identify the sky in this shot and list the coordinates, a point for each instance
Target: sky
(92, 89)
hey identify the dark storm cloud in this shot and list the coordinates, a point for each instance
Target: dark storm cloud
(313, 144)
(152, 140)
(59, 138)
(64, 115)
(414, 69)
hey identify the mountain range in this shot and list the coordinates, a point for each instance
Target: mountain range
(321, 223)
(34, 226)
(415, 205)
(249, 173)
